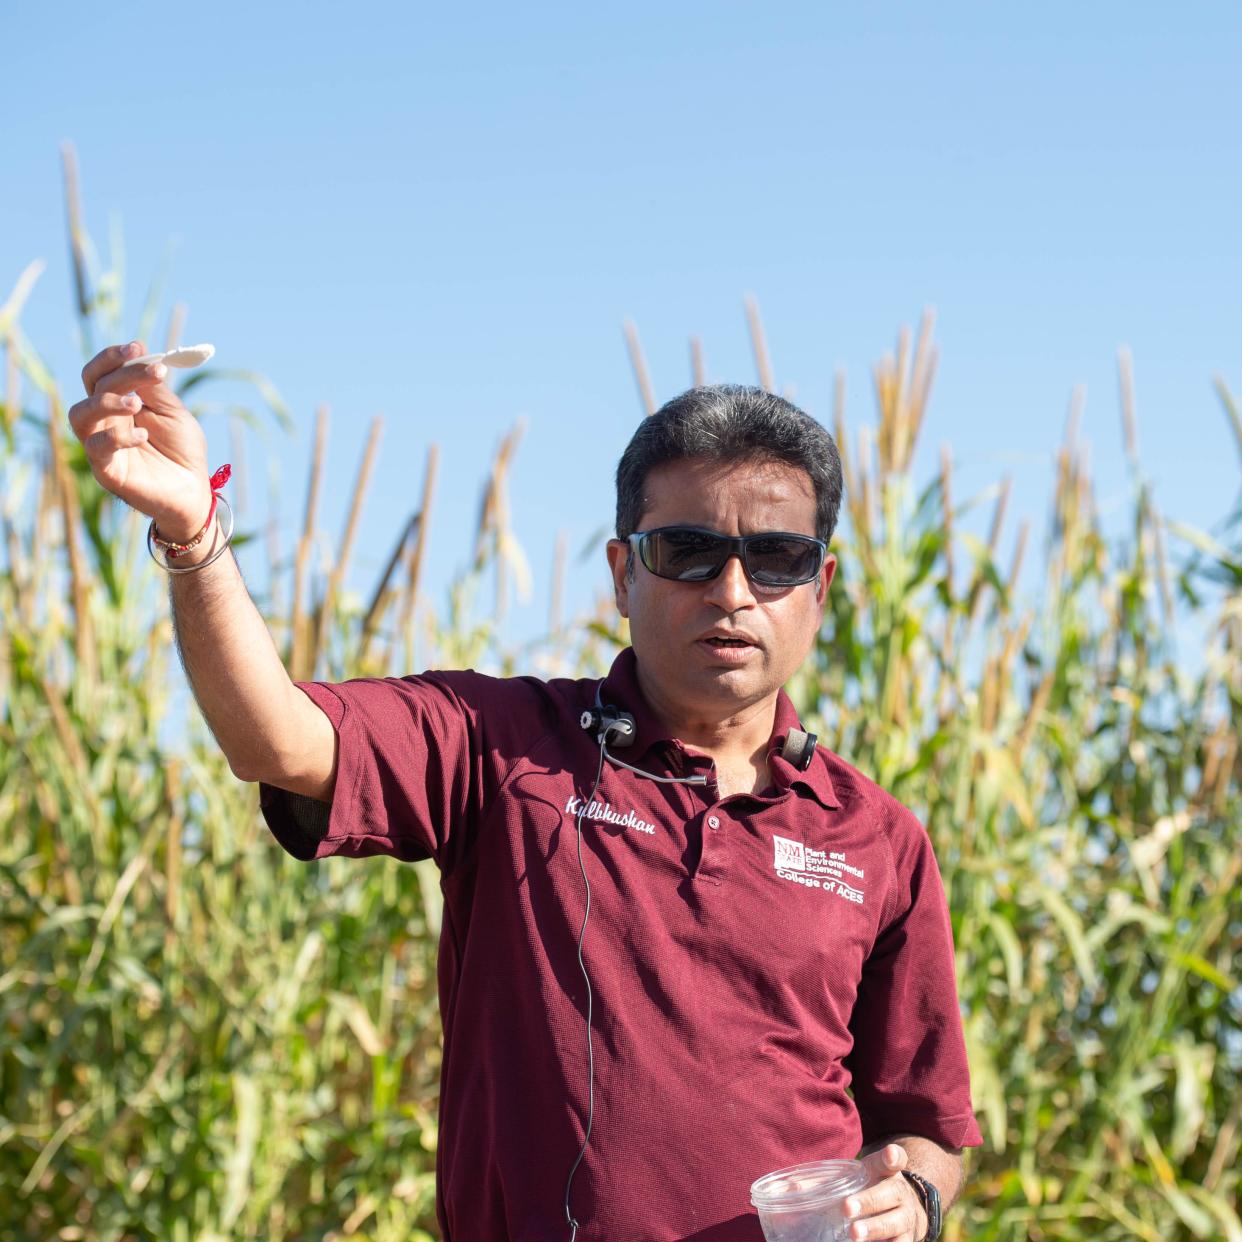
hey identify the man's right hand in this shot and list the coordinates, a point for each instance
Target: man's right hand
(163, 473)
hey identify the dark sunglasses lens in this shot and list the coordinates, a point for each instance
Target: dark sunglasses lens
(777, 561)
(688, 555)
(684, 555)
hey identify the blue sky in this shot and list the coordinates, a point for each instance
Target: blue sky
(444, 215)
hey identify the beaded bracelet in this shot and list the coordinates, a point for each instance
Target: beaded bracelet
(173, 549)
(189, 569)
(218, 480)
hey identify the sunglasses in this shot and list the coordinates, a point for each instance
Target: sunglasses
(690, 554)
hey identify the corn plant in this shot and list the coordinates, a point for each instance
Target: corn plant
(202, 1039)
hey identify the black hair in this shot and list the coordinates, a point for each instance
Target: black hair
(729, 423)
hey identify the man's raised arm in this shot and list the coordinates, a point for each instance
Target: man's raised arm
(145, 447)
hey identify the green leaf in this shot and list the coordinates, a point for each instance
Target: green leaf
(1011, 950)
(242, 1151)
(1205, 970)
(1071, 925)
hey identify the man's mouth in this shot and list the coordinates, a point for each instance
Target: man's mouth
(728, 642)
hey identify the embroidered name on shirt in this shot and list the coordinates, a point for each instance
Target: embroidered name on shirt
(822, 869)
(603, 811)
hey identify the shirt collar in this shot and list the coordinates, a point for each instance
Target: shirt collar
(815, 778)
(621, 689)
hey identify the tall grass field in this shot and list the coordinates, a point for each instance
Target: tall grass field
(201, 1039)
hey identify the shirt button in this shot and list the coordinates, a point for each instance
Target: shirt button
(713, 821)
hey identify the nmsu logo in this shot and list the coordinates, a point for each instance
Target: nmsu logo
(820, 869)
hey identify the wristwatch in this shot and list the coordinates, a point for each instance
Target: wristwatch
(929, 1197)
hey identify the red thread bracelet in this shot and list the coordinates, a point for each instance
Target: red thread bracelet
(173, 550)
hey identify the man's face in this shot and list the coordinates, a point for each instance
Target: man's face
(675, 627)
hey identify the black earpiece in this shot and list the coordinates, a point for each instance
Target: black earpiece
(608, 725)
(798, 749)
(616, 728)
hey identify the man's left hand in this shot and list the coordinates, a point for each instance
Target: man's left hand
(888, 1208)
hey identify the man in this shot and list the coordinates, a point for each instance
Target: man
(765, 975)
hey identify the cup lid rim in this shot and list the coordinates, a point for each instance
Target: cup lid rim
(830, 1179)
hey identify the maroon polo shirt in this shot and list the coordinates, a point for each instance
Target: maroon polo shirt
(773, 973)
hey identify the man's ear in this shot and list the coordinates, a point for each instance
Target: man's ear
(619, 563)
(825, 579)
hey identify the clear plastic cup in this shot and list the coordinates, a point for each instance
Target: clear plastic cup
(806, 1203)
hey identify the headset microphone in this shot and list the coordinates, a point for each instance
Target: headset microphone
(799, 748)
(611, 727)
(608, 725)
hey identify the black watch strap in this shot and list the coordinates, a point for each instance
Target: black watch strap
(929, 1197)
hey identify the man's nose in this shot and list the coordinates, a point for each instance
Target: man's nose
(730, 589)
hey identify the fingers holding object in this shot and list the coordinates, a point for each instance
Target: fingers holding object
(104, 409)
(107, 361)
(103, 444)
(901, 1223)
(890, 1159)
(119, 369)
(129, 361)
(886, 1208)
(879, 1197)
(144, 378)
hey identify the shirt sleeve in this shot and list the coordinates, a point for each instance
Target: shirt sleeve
(908, 1062)
(414, 770)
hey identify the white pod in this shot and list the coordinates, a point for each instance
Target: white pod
(187, 356)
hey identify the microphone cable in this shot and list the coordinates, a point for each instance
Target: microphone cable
(586, 914)
(604, 725)
(798, 749)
